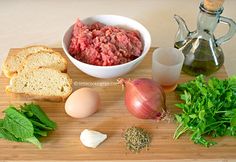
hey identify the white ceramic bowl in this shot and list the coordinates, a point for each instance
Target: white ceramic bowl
(116, 70)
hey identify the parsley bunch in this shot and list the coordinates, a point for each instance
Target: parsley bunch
(208, 109)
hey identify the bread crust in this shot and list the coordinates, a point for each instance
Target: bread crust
(45, 97)
(41, 98)
(10, 74)
(7, 72)
(21, 67)
(5, 68)
(35, 46)
(38, 97)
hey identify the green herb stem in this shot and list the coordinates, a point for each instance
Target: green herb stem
(208, 109)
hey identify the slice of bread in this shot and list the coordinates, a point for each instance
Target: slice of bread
(42, 83)
(44, 59)
(14, 60)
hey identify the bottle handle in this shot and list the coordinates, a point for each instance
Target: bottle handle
(231, 32)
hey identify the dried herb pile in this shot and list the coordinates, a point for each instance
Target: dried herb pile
(136, 139)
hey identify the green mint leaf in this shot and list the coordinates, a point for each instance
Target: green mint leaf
(233, 121)
(40, 114)
(37, 131)
(41, 126)
(34, 141)
(231, 131)
(17, 124)
(7, 135)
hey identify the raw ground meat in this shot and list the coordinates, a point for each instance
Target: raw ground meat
(103, 45)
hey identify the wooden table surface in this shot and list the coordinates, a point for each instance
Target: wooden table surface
(112, 119)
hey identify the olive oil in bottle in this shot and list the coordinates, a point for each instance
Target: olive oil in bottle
(202, 51)
(199, 58)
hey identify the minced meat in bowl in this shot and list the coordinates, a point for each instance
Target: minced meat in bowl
(104, 45)
(114, 60)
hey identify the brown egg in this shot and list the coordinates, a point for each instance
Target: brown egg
(82, 103)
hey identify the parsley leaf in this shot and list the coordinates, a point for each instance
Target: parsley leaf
(208, 109)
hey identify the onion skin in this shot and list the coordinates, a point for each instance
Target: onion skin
(144, 98)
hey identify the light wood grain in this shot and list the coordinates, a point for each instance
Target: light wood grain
(112, 118)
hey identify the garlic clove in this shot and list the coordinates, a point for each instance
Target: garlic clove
(92, 138)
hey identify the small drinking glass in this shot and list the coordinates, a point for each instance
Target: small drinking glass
(166, 67)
